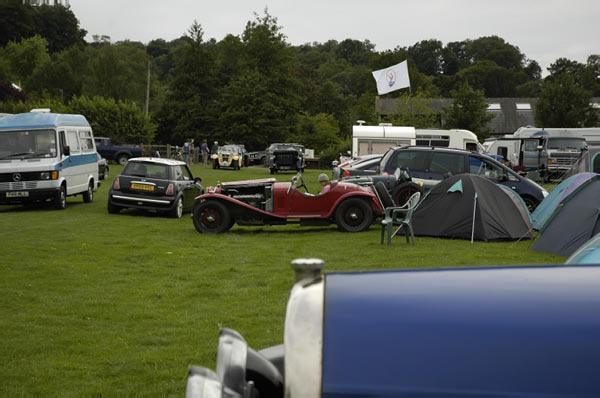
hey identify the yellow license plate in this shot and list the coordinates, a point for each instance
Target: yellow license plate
(143, 187)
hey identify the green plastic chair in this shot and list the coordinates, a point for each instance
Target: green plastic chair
(400, 216)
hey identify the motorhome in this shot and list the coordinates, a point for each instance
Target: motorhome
(551, 151)
(368, 140)
(47, 156)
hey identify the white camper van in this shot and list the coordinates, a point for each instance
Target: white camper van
(551, 151)
(45, 156)
(368, 140)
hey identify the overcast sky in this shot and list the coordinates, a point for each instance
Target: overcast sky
(544, 30)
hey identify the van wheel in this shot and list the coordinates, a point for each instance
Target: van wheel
(88, 195)
(122, 159)
(60, 199)
(177, 211)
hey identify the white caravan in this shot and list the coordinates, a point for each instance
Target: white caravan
(368, 140)
(47, 156)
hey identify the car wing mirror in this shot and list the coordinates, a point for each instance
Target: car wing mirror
(198, 179)
(67, 150)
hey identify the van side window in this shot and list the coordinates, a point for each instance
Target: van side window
(471, 146)
(85, 138)
(73, 142)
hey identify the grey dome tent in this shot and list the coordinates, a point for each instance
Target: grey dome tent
(574, 221)
(468, 206)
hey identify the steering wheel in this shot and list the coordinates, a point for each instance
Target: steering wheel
(302, 184)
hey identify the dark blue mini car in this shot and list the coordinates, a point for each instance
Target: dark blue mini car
(527, 331)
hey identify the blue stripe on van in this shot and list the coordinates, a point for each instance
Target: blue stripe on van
(77, 160)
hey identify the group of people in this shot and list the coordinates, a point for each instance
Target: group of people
(188, 151)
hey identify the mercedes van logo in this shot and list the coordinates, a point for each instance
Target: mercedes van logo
(17, 177)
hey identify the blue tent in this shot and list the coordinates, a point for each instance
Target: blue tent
(588, 253)
(574, 221)
(542, 213)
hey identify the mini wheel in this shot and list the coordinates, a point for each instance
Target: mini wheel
(112, 209)
(177, 211)
(353, 215)
(211, 217)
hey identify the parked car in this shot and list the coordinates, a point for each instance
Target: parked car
(463, 332)
(118, 153)
(266, 202)
(103, 170)
(156, 184)
(285, 157)
(255, 158)
(430, 165)
(231, 155)
(400, 185)
(363, 165)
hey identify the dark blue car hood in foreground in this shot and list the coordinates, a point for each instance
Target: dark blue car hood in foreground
(511, 332)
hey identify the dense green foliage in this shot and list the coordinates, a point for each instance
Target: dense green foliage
(255, 88)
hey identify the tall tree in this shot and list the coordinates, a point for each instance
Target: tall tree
(562, 103)
(267, 108)
(468, 111)
(427, 55)
(189, 110)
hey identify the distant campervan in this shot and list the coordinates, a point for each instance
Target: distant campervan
(47, 156)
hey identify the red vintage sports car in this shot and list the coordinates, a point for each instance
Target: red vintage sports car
(267, 202)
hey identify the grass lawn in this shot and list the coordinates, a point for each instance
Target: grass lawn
(103, 305)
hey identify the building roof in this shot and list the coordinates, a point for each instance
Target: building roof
(509, 113)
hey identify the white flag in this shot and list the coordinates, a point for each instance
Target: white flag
(392, 78)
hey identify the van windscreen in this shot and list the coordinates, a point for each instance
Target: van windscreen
(28, 144)
(566, 143)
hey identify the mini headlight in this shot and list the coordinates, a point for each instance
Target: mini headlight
(45, 175)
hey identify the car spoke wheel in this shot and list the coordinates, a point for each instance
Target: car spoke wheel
(403, 192)
(353, 215)
(211, 217)
(177, 211)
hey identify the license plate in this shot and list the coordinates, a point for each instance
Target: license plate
(143, 187)
(18, 194)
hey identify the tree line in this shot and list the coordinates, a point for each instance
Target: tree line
(255, 88)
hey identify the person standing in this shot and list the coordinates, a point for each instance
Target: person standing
(205, 151)
(192, 151)
(186, 152)
(215, 148)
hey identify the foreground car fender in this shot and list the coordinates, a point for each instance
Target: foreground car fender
(524, 331)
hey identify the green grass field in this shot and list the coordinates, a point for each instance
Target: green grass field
(104, 305)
